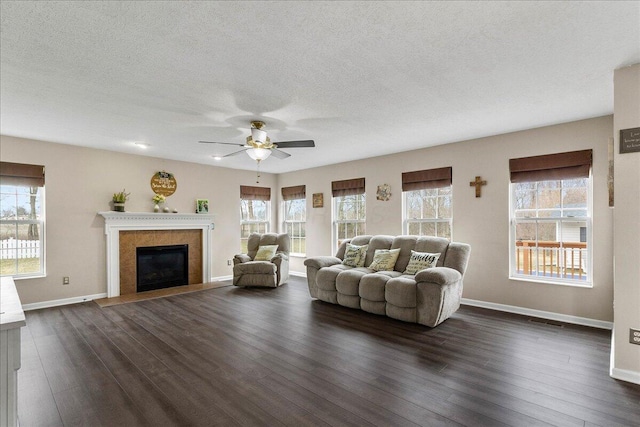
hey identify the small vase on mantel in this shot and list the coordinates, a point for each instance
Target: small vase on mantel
(156, 208)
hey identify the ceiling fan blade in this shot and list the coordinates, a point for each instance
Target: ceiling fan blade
(295, 144)
(225, 143)
(235, 153)
(279, 153)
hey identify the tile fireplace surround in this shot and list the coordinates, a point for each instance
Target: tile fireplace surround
(115, 222)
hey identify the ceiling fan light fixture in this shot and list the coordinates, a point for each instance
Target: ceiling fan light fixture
(258, 135)
(258, 153)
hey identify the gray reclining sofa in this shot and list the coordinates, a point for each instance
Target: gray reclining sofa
(428, 297)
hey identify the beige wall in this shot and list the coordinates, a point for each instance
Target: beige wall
(482, 222)
(80, 183)
(626, 360)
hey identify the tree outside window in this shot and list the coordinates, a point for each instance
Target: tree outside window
(428, 212)
(254, 218)
(349, 216)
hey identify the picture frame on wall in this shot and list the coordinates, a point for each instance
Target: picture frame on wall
(202, 206)
(318, 200)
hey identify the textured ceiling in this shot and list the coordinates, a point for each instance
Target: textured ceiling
(360, 78)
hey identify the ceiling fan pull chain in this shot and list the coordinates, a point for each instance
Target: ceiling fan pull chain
(258, 173)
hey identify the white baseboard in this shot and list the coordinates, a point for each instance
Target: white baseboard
(297, 274)
(59, 302)
(624, 375)
(584, 321)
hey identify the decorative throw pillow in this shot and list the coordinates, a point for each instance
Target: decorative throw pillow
(420, 261)
(384, 259)
(354, 255)
(265, 253)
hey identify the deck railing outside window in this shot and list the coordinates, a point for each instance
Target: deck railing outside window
(552, 259)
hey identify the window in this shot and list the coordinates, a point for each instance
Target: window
(348, 209)
(295, 214)
(427, 202)
(21, 220)
(255, 208)
(551, 218)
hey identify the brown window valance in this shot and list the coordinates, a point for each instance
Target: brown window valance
(574, 164)
(347, 187)
(21, 174)
(255, 193)
(296, 192)
(426, 179)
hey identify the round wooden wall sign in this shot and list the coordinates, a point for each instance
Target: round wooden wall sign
(163, 183)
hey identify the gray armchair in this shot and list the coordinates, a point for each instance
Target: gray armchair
(269, 273)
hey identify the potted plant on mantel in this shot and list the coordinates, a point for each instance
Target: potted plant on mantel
(119, 199)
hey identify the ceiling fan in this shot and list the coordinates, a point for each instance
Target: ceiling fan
(259, 145)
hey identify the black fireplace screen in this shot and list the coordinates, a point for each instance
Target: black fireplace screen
(161, 267)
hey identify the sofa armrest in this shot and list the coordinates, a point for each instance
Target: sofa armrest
(279, 257)
(439, 275)
(240, 258)
(281, 261)
(438, 294)
(322, 261)
(314, 264)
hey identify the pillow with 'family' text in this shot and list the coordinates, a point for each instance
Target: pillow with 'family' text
(265, 253)
(420, 261)
(384, 259)
(354, 255)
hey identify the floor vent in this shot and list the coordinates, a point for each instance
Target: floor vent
(546, 322)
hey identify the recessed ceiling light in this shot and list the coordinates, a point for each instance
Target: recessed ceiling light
(216, 157)
(142, 145)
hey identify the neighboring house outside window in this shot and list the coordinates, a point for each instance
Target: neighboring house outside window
(21, 220)
(348, 208)
(550, 233)
(427, 202)
(255, 208)
(294, 208)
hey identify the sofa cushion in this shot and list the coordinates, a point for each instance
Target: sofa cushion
(326, 277)
(420, 261)
(406, 314)
(406, 245)
(265, 253)
(376, 242)
(375, 307)
(433, 245)
(348, 281)
(372, 286)
(355, 255)
(401, 291)
(384, 259)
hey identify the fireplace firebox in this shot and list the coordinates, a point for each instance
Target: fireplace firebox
(161, 267)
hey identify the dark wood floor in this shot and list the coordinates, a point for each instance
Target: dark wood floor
(234, 356)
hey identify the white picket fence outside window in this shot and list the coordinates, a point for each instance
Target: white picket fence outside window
(13, 248)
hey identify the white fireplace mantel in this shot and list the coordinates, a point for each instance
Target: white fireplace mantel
(114, 222)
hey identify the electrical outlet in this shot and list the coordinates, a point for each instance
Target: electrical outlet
(634, 336)
(228, 262)
(65, 280)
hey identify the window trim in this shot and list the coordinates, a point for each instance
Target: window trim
(42, 272)
(266, 221)
(335, 222)
(588, 219)
(285, 221)
(406, 220)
